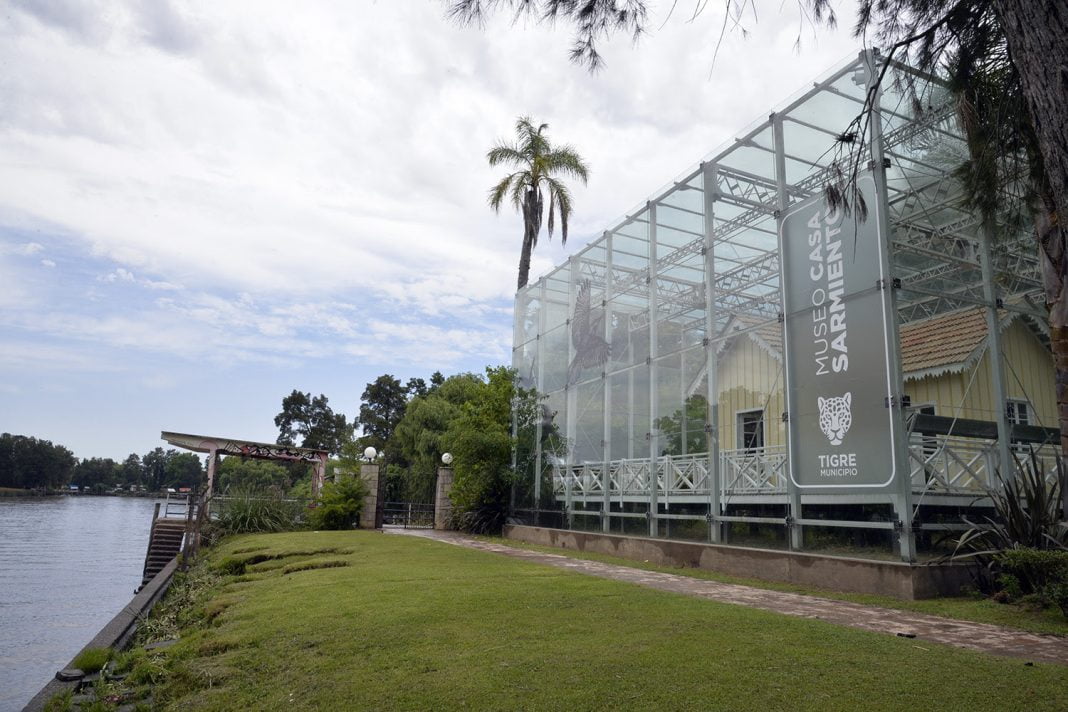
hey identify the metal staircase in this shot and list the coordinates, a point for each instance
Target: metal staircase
(166, 537)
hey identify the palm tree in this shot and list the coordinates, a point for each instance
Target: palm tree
(539, 167)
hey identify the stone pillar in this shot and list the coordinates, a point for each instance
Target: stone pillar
(319, 475)
(369, 512)
(213, 464)
(442, 503)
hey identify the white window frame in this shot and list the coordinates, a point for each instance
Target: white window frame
(1014, 418)
(739, 431)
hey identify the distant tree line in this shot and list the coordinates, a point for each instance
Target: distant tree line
(28, 463)
(31, 463)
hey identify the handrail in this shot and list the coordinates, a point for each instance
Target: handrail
(937, 464)
(151, 537)
(196, 515)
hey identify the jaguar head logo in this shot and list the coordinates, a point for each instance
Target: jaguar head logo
(835, 417)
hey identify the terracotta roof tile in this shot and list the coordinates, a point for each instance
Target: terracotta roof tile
(932, 346)
(942, 342)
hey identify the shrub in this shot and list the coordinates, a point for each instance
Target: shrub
(92, 660)
(1027, 515)
(1058, 593)
(1033, 570)
(251, 511)
(1023, 548)
(339, 504)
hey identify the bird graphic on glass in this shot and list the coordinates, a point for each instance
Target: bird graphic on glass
(587, 335)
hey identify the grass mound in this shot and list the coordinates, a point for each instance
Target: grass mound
(313, 564)
(239, 565)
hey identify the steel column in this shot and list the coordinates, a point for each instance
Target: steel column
(994, 353)
(715, 532)
(794, 531)
(570, 393)
(902, 497)
(539, 428)
(606, 442)
(653, 401)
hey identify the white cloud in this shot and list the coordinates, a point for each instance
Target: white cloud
(341, 148)
(24, 355)
(239, 185)
(119, 275)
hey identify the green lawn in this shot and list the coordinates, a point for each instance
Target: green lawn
(405, 623)
(969, 608)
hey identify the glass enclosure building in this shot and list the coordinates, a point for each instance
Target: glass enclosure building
(659, 357)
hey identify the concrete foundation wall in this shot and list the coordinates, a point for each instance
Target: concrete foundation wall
(888, 578)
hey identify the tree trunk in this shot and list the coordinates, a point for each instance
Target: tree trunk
(1037, 35)
(1053, 257)
(524, 255)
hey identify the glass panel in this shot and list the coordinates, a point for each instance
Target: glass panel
(554, 359)
(589, 414)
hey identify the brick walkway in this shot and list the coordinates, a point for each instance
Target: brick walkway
(962, 634)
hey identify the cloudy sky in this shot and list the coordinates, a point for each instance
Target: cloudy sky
(205, 205)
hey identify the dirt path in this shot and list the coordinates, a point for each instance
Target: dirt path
(962, 634)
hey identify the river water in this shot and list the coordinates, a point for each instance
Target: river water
(68, 565)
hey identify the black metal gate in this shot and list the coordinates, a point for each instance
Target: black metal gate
(409, 515)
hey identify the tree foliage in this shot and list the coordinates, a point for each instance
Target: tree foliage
(31, 463)
(339, 504)
(419, 437)
(593, 20)
(313, 421)
(382, 406)
(28, 463)
(184, 469)
(480, 441)
(243, 473)
(154, 468)
(685, 425)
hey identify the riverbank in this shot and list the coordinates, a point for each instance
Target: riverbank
(16, 492)
(345, 620)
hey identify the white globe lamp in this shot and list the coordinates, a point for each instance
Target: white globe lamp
(446, 458)
(370, 454)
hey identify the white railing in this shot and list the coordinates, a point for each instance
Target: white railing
(941, 463)
(755, 471)
(937, 464)
(675, 474)
(949, 463)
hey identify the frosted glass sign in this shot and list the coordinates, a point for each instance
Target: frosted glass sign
(839, 428)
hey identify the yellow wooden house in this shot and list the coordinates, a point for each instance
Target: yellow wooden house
(947, 372)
